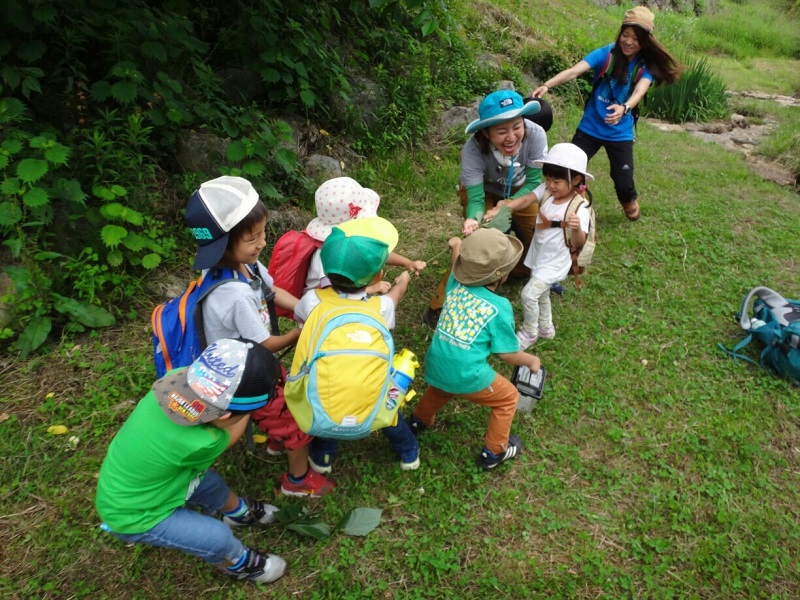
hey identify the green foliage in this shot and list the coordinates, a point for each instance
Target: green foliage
(699, 95)
(80, 211)
(260, 154)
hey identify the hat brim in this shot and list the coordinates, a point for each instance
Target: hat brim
(511, 260)
(318, 229)
(638, 23)
(538, 164)
(210, 254)
(179, 402)
(376, 228)
(531, 108)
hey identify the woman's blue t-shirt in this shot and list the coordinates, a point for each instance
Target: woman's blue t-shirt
(608, 92)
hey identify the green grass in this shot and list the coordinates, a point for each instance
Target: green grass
(654, 466)
(784, 143)
(768, 75)
(741, 30)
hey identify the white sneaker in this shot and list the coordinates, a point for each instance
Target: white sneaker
(526, 340)
(547, 333)
(262, 568)
(410, 466)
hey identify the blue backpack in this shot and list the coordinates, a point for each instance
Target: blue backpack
(775, 321)
(178, 333)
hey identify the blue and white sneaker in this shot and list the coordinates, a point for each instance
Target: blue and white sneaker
(489, 461)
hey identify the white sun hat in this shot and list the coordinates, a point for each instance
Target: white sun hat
(568, 156)
(338, 200)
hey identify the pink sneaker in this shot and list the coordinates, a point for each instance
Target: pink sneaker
(313, 485)
(547, 333)
(526, 340)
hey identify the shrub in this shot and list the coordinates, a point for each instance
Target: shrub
(699, 95)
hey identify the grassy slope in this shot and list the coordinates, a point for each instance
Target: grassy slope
(655, 466)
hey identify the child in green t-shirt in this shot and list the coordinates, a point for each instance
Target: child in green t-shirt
(158, 463)
(476, 322)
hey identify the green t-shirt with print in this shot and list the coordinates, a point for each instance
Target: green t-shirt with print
(152, 466)
(474, 323)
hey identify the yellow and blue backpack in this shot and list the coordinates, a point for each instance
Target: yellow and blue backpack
(340, 385)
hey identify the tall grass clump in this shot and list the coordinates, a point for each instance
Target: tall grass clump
(699, 95)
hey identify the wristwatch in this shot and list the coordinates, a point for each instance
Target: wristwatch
(627, 109)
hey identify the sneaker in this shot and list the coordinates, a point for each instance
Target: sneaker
(260, 567)
(547, 333)
(258, 513)
(431, 317)
(559, 289)
(321, 464)
(526, 340)
(415, 425)
(275, 448)
(412, 464)
(489, 461)
(313, 485)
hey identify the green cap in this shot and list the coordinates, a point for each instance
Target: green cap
(357, 257)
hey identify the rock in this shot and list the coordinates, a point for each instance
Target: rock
(455, 118)
(286, 218)
(715, 127)
(489, 61)
(366, 101)
(739, 120)
(200, 151)
(321, 168)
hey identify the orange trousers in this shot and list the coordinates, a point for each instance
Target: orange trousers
(501, 396)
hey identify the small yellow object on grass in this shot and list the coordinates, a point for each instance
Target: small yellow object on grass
(259, 439)
(57, 429)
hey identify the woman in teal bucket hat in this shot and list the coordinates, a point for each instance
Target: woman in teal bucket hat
(497, 163)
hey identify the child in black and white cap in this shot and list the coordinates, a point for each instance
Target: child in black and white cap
(158, 464)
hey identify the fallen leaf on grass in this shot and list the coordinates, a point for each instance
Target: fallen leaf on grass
(361, 521)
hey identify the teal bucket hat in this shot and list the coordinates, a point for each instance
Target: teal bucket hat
(499, 107)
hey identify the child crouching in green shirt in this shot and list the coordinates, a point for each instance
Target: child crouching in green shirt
(476, 322)
(158, 463)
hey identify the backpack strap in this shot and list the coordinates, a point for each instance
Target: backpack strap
(217, 276)
(269, 296)
(546, 223)
(770, 297)
(603, 75)
(555, 223)
(735, 353)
